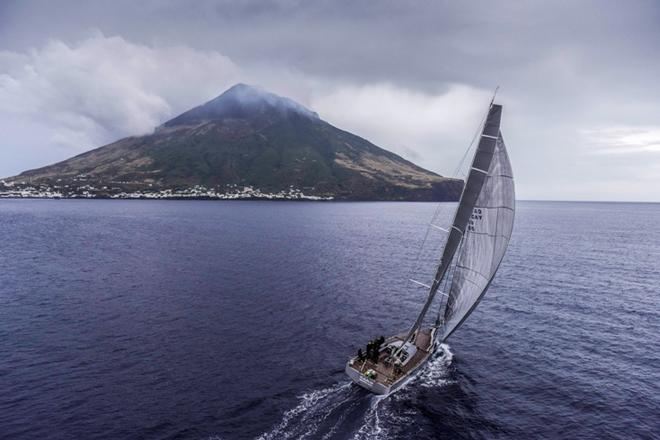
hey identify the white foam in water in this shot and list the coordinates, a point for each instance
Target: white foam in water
(435, 373)
(312, 409)
(372, 428)
(304, 419)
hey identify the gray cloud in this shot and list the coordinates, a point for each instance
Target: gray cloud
(101, 88)
(386, 70)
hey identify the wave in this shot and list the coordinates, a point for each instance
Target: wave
(346, 411)
(303, 420)
(436, 372)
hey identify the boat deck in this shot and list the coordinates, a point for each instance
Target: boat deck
(385, 372)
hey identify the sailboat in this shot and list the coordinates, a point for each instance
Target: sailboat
(475, 245)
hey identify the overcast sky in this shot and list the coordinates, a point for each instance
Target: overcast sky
(579, 80)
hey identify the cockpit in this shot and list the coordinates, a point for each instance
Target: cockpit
(405, 354)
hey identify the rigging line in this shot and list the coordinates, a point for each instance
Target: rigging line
(417, 263)
(476, 135)
(418, 259)
(469, 148)
(442, 300)
(494, 95)
(457, 257)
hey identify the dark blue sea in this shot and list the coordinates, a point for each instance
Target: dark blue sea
(233, 320)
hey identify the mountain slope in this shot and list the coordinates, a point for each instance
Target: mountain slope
(245, 143)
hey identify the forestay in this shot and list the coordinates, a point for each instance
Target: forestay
(485, 241)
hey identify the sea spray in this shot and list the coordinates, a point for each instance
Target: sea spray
(313, 407)
(313, 416)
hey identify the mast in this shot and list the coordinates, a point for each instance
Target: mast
(473, 184)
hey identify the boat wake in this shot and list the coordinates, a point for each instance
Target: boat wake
(346, 411)
(306, 418)
(436, 372)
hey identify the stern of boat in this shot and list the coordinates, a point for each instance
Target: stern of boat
(383, 375)
(361, 379)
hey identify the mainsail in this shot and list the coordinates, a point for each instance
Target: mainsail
(487, 193)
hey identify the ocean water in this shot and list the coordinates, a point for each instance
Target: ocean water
(233, 320)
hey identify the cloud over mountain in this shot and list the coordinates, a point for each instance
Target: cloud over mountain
(103, 87)
(84, 94)
(564, 69)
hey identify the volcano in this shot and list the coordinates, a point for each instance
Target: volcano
(246, 143)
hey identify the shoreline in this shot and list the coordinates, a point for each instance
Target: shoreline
(217, 199)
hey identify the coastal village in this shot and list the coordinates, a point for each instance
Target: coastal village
(87, 191)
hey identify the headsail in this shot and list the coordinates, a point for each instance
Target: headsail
(471, 191)
(485, 242)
